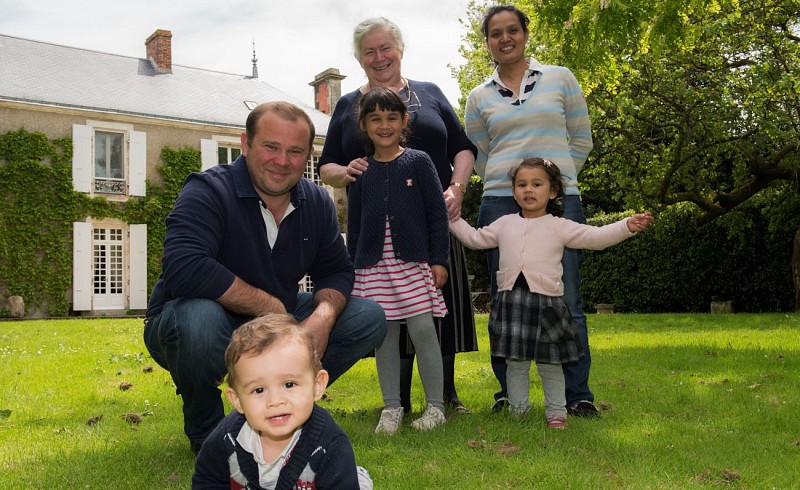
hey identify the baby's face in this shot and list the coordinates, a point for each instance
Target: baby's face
(276, 390)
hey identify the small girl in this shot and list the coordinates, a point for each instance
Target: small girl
(398, 239)
(529, 318)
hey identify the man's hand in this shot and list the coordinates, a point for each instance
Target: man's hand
(328, 305)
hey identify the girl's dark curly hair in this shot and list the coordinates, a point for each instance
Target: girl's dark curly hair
(554, 206)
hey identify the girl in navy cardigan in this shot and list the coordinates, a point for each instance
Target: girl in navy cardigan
(398, 238)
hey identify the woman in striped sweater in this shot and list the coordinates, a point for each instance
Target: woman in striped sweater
(529, 109)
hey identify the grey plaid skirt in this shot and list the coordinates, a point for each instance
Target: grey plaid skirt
(530, 326)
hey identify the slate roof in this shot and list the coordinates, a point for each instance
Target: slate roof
(51, 74)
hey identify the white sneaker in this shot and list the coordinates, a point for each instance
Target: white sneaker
(430, 419)
(390, 420)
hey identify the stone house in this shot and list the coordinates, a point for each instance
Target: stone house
(120, 111)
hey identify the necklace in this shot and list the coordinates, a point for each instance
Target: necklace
(514, 74)
(403, 86)
(412, 102)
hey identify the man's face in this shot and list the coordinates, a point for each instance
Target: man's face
(277, 155)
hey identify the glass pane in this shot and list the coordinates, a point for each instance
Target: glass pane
(117, 170)
(108, 156)
(227, 154)
(100, 169)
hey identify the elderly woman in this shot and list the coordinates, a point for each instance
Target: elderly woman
(527, 109)
(434, 129)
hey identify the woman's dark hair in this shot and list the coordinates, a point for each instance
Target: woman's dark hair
(496, 9)
(379, 98)
(554, 206)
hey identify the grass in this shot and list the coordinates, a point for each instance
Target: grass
(690, 401)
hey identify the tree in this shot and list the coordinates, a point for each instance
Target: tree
(691, 101)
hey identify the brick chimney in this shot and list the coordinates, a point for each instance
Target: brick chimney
(327, 90)
(159, 50)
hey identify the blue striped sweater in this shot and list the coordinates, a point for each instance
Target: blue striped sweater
(553, 123)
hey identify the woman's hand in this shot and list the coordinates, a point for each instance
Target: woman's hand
(355, 168)
(453, 198)
(338, 176)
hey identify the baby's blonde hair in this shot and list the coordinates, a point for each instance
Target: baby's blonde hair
(257, 335)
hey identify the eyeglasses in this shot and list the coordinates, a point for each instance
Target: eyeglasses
(412, 101)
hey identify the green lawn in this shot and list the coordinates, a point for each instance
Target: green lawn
(690, 401)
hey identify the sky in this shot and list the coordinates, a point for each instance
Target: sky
(294, 39)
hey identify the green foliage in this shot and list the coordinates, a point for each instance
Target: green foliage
(713, 123)
(691, 101)
(154, 208)
(476, 259)
(678, 266)
(39, 206)
(479, 63)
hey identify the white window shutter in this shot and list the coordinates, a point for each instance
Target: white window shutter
(138, 159)
(208, 154)
(137, 267)
(82, 158)
(81, 266)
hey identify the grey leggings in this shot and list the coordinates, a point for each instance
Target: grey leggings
(429, 360)
(518, 377)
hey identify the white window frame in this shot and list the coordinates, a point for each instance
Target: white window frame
(209, 149)
(108, 267)
(134, 265)
(134, 157)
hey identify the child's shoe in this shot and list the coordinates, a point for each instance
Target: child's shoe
(430, 419)
(557, 421)
(390, 420)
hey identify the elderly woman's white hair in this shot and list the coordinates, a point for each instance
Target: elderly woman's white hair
(371, 24)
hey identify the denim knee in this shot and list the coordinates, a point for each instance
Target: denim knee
(189, 337)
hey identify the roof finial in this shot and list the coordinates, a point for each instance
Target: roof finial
(255, 60)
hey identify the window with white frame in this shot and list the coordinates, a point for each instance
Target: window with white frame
(219, 150)
(311, 169)
(109, 162)
(109, 269)
(227, 154)
(108, 158)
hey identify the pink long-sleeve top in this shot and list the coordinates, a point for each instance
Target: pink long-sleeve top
(534, 247)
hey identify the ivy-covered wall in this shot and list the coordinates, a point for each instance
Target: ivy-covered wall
(38, 207)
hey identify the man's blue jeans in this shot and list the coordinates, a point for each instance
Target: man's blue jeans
(576, 374)
(189, 337)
